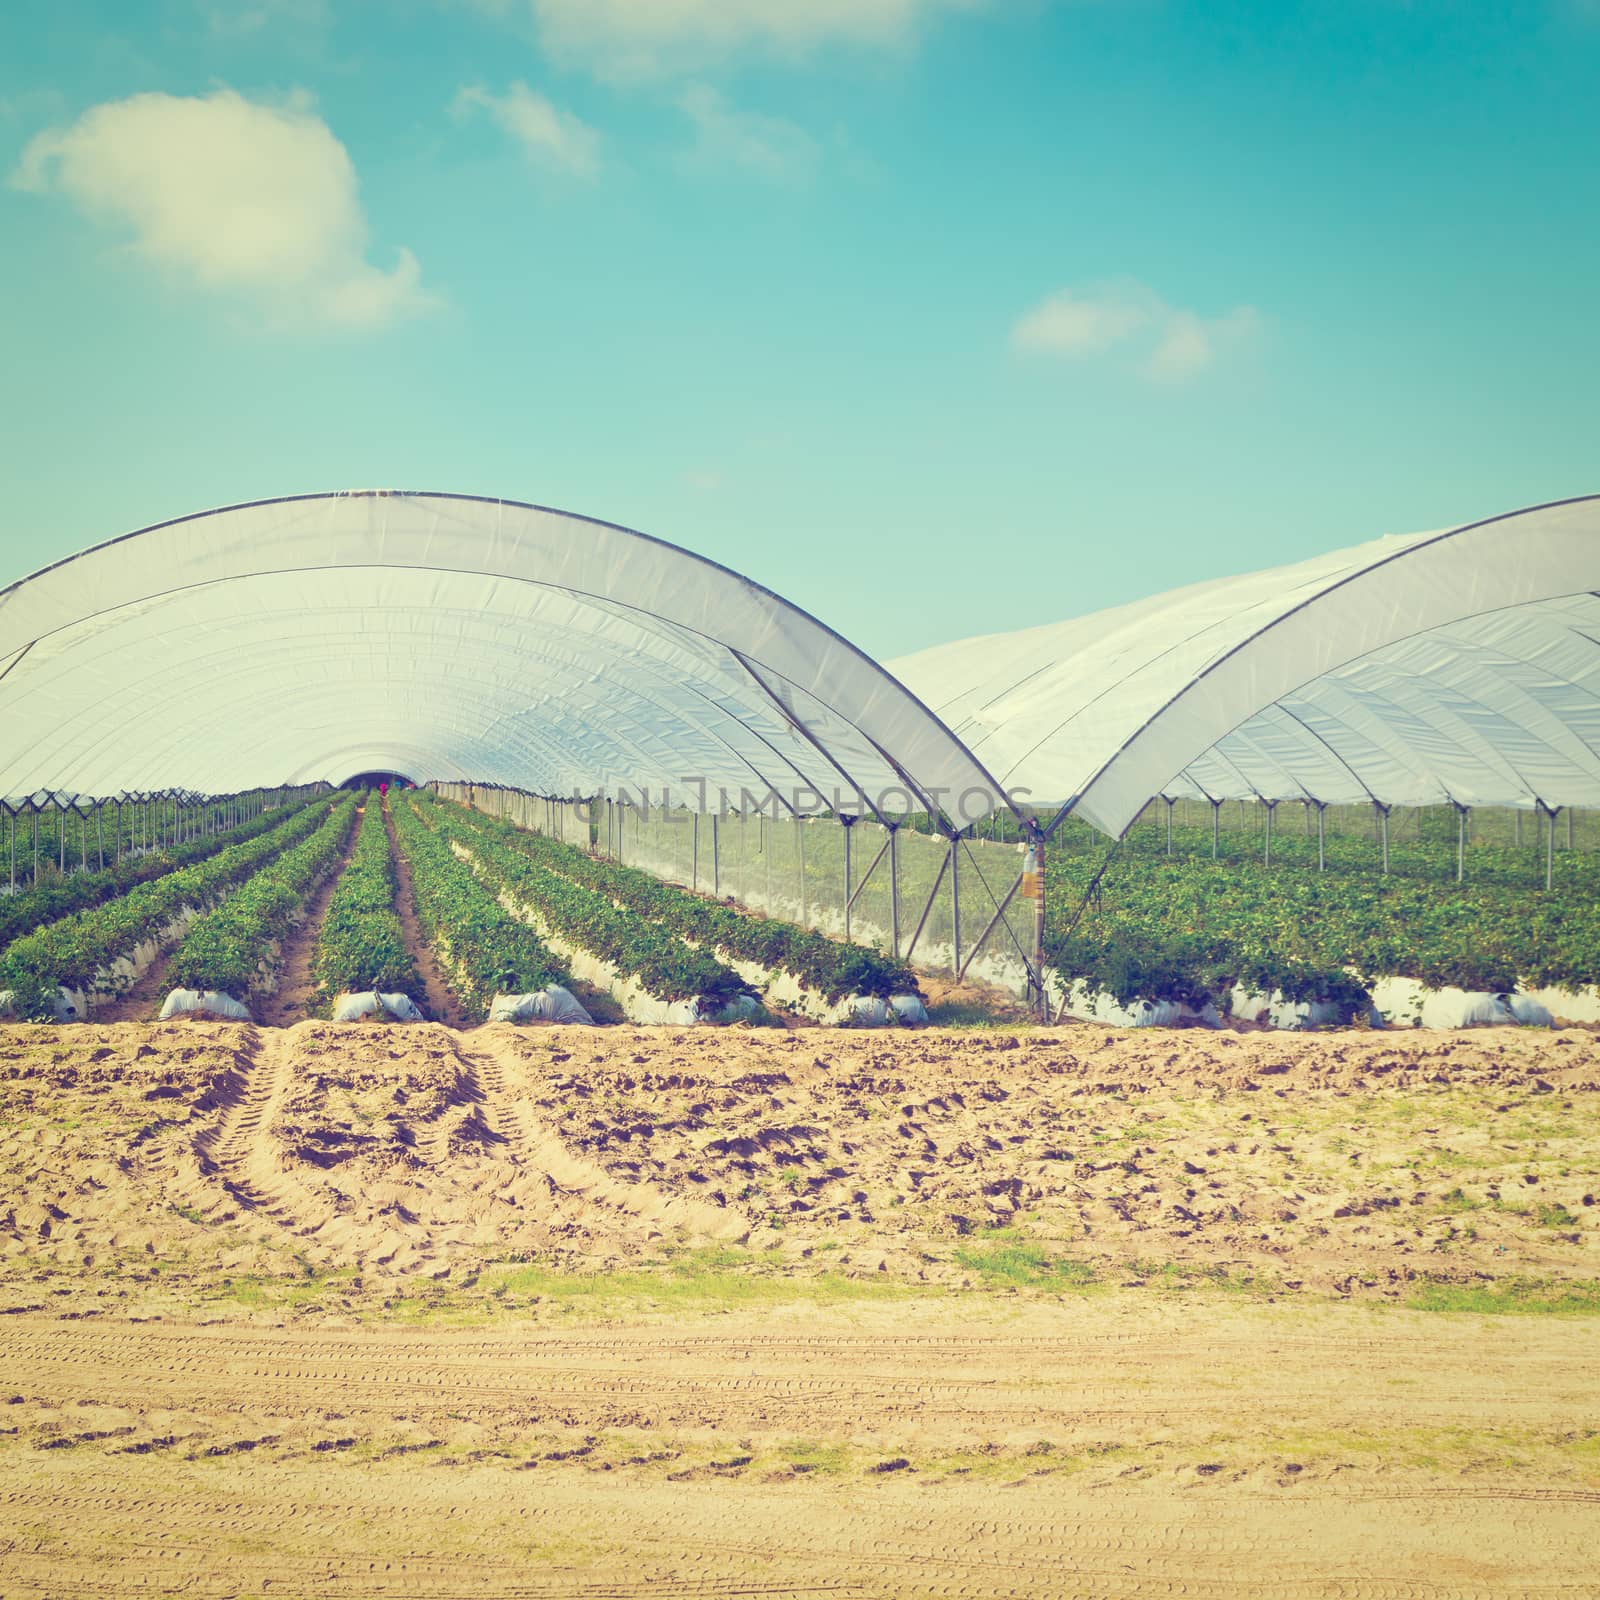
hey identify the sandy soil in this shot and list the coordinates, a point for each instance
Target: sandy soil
(402, 1311)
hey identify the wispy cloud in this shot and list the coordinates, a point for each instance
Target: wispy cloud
(550, 137)
(745, 141)
(253, 201)
(637, 38)
(245, 18)
(1169, 343)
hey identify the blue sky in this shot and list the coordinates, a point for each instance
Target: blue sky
(938, 316)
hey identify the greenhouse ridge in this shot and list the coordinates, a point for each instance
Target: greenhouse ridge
(458, 638)
(1458, 667)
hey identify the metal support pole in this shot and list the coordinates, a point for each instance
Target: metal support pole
(694, 863)
(800, 836)
(1035, 859)
(894, 887)
(1383, 822)
(955, 898)
(1550, 850)
(1266, 856)
(846, 822)
(1461, 843)
(716, 860)
(1170, 804)
(1216, 823)
(100, 835)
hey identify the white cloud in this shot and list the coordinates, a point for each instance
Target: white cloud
(231, 19)
(549, 136)
(1073, 324)
(1174, 343)
(1189, 343)
(769, 147)
(633, 38)
(254, 201)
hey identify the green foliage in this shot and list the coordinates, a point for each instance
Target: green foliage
(55, 896)
(667, 967)
(825, 965)
(225, 949)
(487, 950)
(71, 952)
(362, 945)
(1190, 928)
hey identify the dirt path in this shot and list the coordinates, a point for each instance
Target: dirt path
(143, 1001)
(1081, 1451)
(297, 989)
(439, 997)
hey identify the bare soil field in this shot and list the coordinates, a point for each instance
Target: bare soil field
(371, 1310)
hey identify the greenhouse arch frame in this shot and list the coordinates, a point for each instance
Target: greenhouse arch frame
(455, 637)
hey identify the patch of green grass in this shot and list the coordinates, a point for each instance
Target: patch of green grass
(260, 1292)
(1556, 1216)
(1511, 1296)
(999, 1259)
(812, 1455)
(708, 1278)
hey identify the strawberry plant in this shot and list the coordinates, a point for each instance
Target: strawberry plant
(362, 945)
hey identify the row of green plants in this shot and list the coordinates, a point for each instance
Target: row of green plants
(362, 944)
(1422, 845)
(56, 897)
(485, 949)
(825, 965)
(226, 951)
(665, 966)
(70, 953)
(1192, 929)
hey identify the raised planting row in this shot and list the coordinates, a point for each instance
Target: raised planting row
(362, 946)
(78, 951)
(49, 902)
(823, 966)
(485, 949)
(635, 952)
(231, 949)
(1197, 930)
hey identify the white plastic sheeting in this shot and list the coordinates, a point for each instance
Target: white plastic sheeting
(445, 637)
(1457, 666)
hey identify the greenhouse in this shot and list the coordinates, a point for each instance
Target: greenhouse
(576, 679)
(1460, 667)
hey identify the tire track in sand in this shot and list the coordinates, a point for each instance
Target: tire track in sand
(237, 1153)
(572, 1182)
